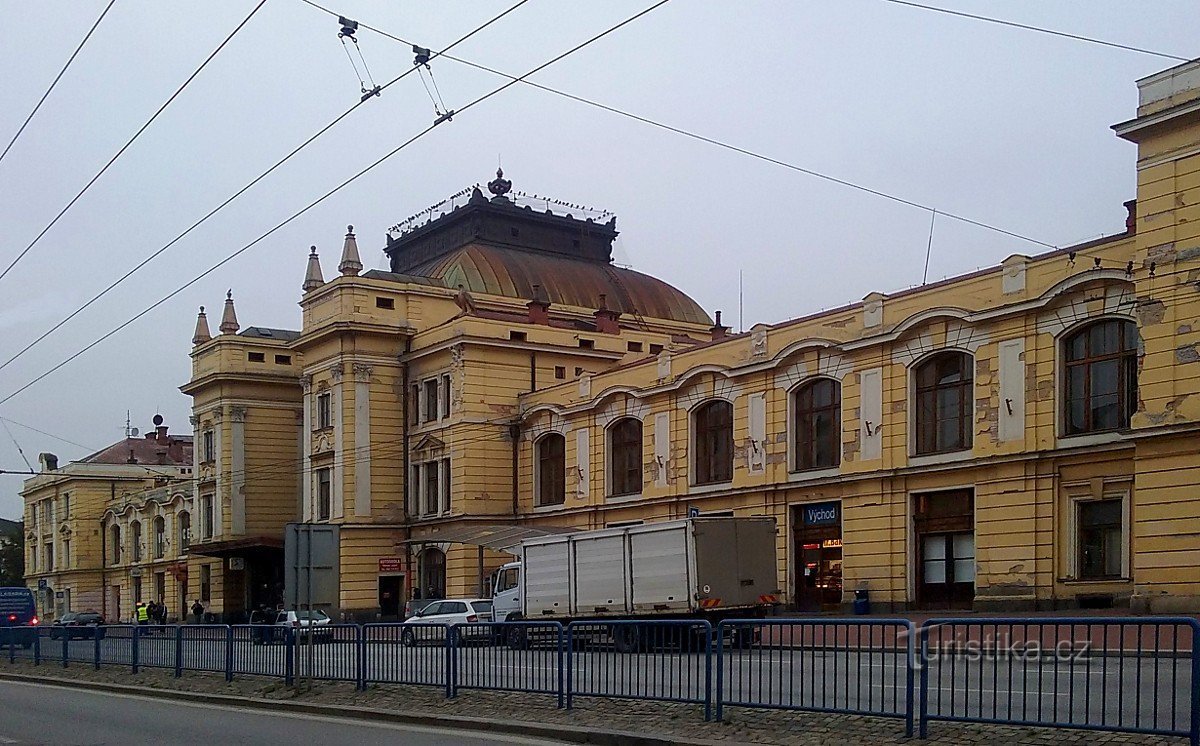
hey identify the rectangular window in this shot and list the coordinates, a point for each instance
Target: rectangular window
(205, 583)
(587, 344)
(160, 586)
(206, 516)
(67, 552)
(256, 357)
(49, 557)
(517, 336)
(324, 494)
(433, 495)
(209, 451)
(66, 505)
(445, 397)
(414, 491)
(47, 513)
(634, 346)
(414, 405)
(431, 400)
(1100, 544)
(655, 349)
(324, 410)
(385, 303)
(137, 590)
(560, 372)
(446, 485)
(283, 359)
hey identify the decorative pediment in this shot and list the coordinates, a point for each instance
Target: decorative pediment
(64, 529)
(429, 445)
(207, 473)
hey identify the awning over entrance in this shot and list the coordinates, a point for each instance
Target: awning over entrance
(236, 546)
(501, 537)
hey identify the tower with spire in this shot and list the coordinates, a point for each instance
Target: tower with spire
(351, 264)
(229, 322)
(313, 278)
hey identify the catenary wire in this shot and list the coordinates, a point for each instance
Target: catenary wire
(326, 196)
(240, 192)
(53, 83)
(136, 135)
(713, 141)
(1038, 29)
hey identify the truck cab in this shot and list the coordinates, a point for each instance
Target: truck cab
(506, 593)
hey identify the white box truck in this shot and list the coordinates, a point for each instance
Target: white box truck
(697, 568)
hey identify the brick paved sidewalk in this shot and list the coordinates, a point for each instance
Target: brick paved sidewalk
(664, 720)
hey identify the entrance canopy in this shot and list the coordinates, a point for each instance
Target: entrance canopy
(233, 547)
(501, 537)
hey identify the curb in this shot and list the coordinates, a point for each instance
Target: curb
(567, 733)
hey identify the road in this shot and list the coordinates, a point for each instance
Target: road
(38, 714)
(1125, 690)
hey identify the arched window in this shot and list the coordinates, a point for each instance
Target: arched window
(551, 455)
(185, 531)
(818, 422)
(114, 543)
(135, 536)
(944, 403)
(1100, 377)
(625, 456)
(160, 537)
(714, 442)
(432, 564)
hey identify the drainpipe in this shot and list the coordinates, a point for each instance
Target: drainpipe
(532, 372)
(514, 432)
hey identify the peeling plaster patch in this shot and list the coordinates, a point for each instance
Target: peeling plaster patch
(840, 323)
(1187, 353)
(1151, 311)
(1169, 413)
(1184, 329)
(1188, 254)
(1164, 253)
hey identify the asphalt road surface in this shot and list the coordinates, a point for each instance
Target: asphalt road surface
(38, 714)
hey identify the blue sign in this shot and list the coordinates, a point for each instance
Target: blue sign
(693, 512)
(823, 514)
(42, 584)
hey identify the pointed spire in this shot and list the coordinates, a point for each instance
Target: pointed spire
(229, 322)
(201, 335)
(313, 278)
(350, 264)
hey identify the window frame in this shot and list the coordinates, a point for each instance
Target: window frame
(927, 421)
(207, 516)
(208, 441)
(160, 537)
(541, 477)
(429, 394)
(135, 537)
(804, 439)
(705, 468)
(324, 493)
(625, 451)
(1127, 384)
(324, 410)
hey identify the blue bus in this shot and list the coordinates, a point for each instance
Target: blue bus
(18, 617)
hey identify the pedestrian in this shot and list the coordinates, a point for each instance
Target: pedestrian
(143, 617)
(162, 612)
(198, 611)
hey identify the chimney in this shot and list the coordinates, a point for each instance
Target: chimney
(606, 319)
(312, 277)
(350, 265)
(48, 461)
(539, 308)
(718, 331)
(1131, 217)
(201, 335)
(229, 322)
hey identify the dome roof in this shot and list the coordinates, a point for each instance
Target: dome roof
(514, 273)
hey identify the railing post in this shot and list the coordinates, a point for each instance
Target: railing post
(134, 645)
(450, 668)
(66, 644)
(562, 663)
(37, 649)
(228, 652)
(360, 650)
(178, 650)
(1195, 735)
(923, 722)
(101, 633)
(708, 668)
(720, 669)
(289, 653)
(908, 678)
(570, 683)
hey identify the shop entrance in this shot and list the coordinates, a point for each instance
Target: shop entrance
(391, 596)
(817, 537)
(945, 561)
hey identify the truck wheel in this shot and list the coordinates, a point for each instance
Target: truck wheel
(626, 638)
(518, 637)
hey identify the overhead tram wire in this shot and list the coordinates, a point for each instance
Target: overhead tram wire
(243, 190)
(136, 135)
(1038, 29)
(53, 83)
(326, 196)
(718, 143)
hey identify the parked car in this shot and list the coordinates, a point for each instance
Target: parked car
(450, 612)
(271, 627)
(84, 625)
(414, 605)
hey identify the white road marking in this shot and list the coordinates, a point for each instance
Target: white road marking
(3, 739)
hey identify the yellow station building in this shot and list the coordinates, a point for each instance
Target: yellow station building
(1022, 437)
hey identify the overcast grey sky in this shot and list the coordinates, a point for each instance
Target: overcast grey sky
(998, 124)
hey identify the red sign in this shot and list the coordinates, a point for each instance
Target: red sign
(391, 564)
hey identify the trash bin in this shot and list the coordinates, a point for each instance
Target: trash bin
(862, 601)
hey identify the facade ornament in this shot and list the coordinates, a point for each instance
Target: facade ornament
(306, 383)
(362, 372)
(351, 264)
(218, 414)
(201, 335)
(229, 322)
(500, 186)
(312, 276)
(336, 371)
(194, 420)
(238, 413)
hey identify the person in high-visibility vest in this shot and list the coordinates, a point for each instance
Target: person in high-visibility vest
(143, 613)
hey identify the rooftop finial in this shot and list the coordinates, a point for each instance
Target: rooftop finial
(229, 322)
(500, 186)
(201, 335)
(351, 264)
(313, 278)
